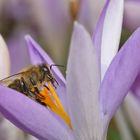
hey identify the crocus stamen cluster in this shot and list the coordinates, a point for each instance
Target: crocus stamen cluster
(53, 102)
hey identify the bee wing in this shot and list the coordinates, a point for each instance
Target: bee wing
(8, 80)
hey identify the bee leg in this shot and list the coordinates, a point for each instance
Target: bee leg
(53, 81)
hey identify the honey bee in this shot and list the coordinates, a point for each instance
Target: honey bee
(31, 81)
(38, 83)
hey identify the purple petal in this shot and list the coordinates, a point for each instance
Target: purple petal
(120, 76)
(89, 12)
(108, 31)
(30, 116)
(131, 14)
(82, 86)
(38, 55)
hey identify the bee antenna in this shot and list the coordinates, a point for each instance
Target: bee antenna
(52, 65)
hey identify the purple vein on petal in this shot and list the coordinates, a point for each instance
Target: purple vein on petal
(120, 76)
(30, 116)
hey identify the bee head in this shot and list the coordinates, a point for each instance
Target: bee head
(45, 69)
(45, 72)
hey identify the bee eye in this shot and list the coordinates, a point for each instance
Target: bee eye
(45, 69)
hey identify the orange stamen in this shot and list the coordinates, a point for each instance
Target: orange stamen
(52, 101)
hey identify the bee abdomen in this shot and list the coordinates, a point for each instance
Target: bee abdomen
(15, 85)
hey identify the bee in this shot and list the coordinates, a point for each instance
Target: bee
(31, 81)
(38, 83)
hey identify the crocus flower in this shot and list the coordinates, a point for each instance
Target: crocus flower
(90, 105)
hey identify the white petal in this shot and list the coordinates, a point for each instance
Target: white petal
(82, 86)
(111, 33)
(4, 59)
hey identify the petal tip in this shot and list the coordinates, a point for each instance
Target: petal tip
(2, 42)
(77, 25)
(27, 37)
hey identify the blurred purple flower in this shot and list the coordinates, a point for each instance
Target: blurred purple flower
(16, 44)
(53, 20)
(131, 14)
